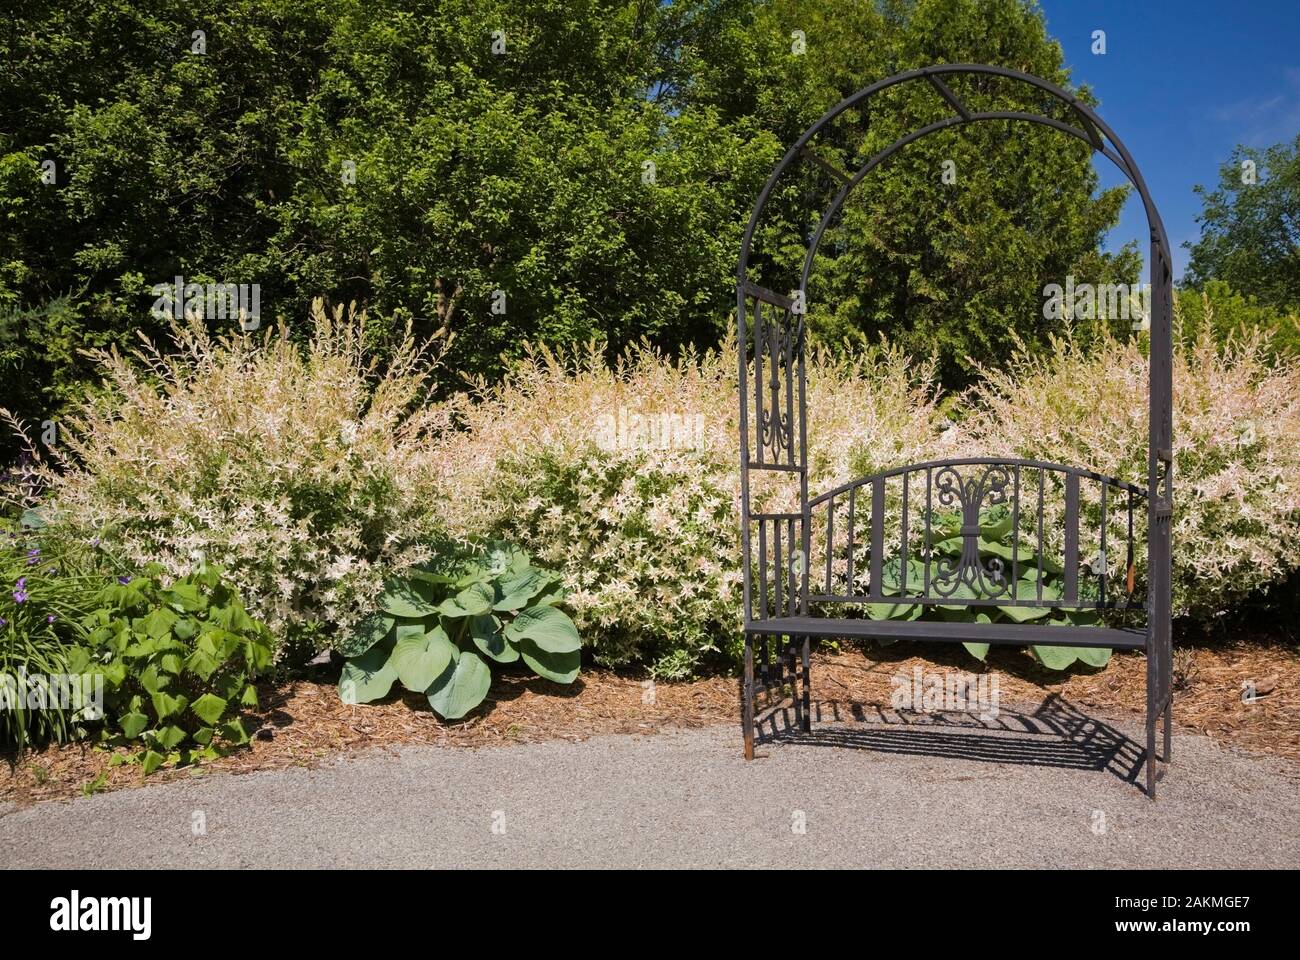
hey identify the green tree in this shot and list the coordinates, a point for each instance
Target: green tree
(1229, 315)
(502, 169)
(1250, 227)
(591, 177)
(948, 268)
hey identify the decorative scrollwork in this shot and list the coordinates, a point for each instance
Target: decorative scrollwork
(774, 343)
(774, 432)
(986, 577)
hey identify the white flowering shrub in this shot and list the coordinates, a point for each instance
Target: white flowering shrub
(311, 476)
(626, 480)
(288, 465)
(1236, 476)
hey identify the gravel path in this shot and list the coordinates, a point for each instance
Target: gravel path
(938, 797)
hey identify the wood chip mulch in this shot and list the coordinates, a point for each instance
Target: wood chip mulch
(303, 723)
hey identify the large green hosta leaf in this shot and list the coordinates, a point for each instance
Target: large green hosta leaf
(517, 591)
(461, 687)
(893, 611)
(488, 636)
(1025, 614)
(368, 677)
(979, 651)
(960, 592)
(473, 601)
(1055, 658)
(560, 667)
(994, 525)
(1094, 656)
(890, 581)
(1028, 589)
(548, 627)
(420, 656)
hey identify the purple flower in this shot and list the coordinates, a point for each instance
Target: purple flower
(20, 591)
(50, 618)
(124, 580)
(33, 556)
(3, 622)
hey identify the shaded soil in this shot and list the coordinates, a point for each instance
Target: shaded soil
(303, 723)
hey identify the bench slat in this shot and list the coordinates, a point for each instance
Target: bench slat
(955, 632)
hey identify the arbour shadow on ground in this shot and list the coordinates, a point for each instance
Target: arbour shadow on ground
(1056, 734)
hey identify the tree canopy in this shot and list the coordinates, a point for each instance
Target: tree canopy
(531, 170)
(1250, 227)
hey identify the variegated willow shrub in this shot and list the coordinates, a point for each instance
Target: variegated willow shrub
(311, 476)
(1236, 475)
(290, 465)
(625, 480)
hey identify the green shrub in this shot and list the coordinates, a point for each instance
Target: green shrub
(1229, 316)
(177, 660)
(438, 628)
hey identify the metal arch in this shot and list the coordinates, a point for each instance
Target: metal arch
(1159, 499)
(944, 124)
(1121, 156)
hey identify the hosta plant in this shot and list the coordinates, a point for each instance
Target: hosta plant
(438, 628)
(995, 551)
(177, 660)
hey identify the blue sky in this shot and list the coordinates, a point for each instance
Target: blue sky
(1183, 82)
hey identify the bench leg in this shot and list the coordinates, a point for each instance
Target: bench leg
(807, 698)
(1152, 666)
(1169, 740)
(1151, 758)
(747, 699)
(790, 662)
(1167, 670)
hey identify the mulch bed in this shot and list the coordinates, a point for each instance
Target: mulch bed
(303, 723)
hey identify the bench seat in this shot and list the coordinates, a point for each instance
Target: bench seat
(1018, 634)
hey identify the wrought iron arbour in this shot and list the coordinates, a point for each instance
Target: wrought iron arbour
(787, 594)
